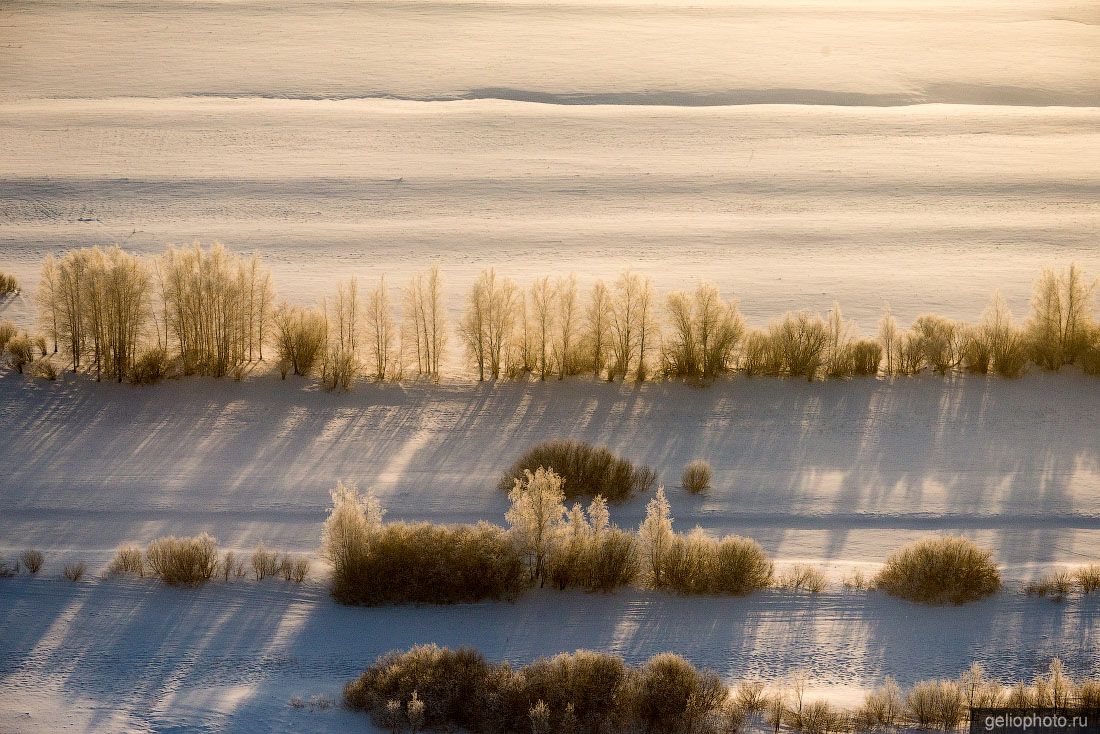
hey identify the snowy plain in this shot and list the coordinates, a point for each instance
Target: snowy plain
(916, 155)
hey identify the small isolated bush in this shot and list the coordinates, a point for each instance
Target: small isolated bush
(8, 284)
(128, 560)
(33, 560)
(696, 477)
(74, 571)
(1087, 578)
(802, 577)
(21, 352)
(1056, 585)
(587, 470)
(264, 562)
(433, 564)
(183, 560)
(150, 367)
(940, 570)
(698, 564)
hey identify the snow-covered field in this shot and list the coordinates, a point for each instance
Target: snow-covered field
(916, 154)
(836, 474)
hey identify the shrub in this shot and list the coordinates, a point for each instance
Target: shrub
(264, 562)
(74, 571)
(864, 357)
(857, 581)
(1087, 578)
(760, 355)
(935, 704)
(696, 477)
(881, 709)
(44, 369)
(8, 284)
(231, 566)
(21, 352)
(150, 367)
(33, 560)
(596, 684)
(1056, 585)
(7, 333)
(802, 577)
(593, 557)
(128, 560)
(938, 340)
(579, 692)
(294, 568)
(698, 564)
(940, 570)
(451, 683)
(670, 695)
(586, 470)
(434, 564)
(301, 335)
(183, 560)
(800, 340)
(818, 717)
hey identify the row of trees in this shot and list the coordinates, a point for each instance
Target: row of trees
(212, 312)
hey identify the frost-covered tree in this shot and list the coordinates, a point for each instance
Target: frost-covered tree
(342, 356)
(633, 325)
(705, 332)
(353, 521)
(656, 535)
(888, 338)
(1061, 315)
(535, 514)
(425, 321)
(300, 335)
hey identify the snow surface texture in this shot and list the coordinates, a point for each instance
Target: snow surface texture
(911, 154)
(836, 474)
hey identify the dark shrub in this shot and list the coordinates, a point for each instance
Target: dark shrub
(453, 684)
(588, 470)
(670, 695)
(432, 564)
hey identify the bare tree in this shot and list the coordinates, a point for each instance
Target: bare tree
(888, 337)
(705, 332)
(633, 324)
(597, 323)
(568, 317)
(489, 321)
(381, 326)
(343, 336)
(543, 308)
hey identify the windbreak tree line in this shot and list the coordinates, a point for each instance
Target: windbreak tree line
(208, 311)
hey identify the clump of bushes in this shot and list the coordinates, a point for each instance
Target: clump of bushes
(264, 562)
(590, 553)
(150, 367)
(401, 562)
(1088, 578)
(584, 691)
(696, 477)
(802, 577)
(698, 564)
(940, 570)
(586, 470)
(1056, 585)
(434, 564)
(183, 560)
(33, 560)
